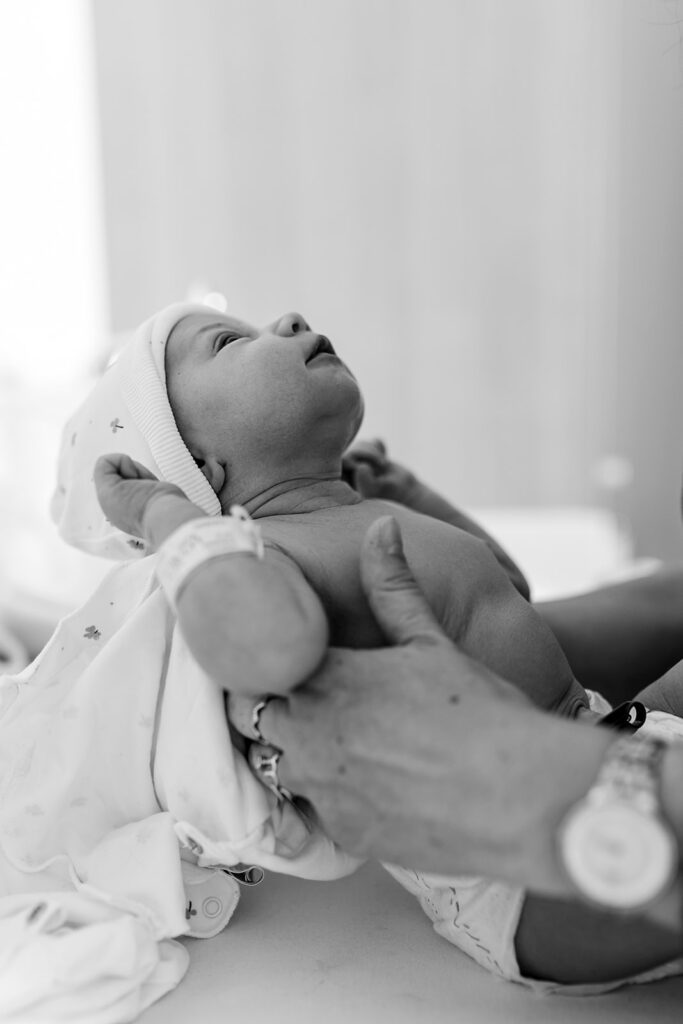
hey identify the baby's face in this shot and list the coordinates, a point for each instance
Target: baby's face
(239, 390)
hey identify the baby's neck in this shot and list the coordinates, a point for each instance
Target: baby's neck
(296, 497)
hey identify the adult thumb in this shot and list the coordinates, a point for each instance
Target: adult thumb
(395, 598)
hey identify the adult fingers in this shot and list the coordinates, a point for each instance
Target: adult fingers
(268, 715)
(274, 732)
(395, 598)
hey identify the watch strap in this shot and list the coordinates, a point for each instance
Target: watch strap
(631, 772)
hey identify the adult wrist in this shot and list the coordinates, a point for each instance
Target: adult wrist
(620, 842)
(671, 790)
(670, 911)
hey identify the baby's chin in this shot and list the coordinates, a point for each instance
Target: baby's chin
(357, 421)
(353, 434)
(348, 421)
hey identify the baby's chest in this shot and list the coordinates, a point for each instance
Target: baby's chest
(332, 567)
(329, 556)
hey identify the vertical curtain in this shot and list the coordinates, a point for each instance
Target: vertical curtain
(433, 184)
(478, 200)
(53, 293)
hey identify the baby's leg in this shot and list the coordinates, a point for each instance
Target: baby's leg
(541, 942)
(575, 944)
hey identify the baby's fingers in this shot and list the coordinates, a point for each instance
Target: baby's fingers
(371, 452)
(366, 482)
(115, 466)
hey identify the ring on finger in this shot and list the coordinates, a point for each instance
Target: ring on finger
(255, 722)
(265, 763)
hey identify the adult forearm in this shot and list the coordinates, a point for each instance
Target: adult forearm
(516, 775)
(554, 763)
(620, 638)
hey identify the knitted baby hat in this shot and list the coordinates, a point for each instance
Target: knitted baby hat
(127, 411)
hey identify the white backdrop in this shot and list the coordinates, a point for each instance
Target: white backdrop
(479, 200)
(53, 294)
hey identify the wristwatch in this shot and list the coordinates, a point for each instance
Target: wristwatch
(615, 844)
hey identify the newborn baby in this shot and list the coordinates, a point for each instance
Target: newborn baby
(261, 417)
(267, 414)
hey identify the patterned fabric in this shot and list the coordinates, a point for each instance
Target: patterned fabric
(114, 750)
(128, 411)
(116, 766)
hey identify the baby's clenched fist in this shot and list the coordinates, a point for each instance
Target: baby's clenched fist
(126, 490)
(370, 471)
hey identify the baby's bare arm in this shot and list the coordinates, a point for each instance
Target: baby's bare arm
(373, 474)
(255, 626)
(522, 648)
(486, 615)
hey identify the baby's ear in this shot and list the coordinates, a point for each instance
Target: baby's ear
(214, 471)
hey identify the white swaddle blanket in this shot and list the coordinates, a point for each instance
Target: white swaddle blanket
(116, 769)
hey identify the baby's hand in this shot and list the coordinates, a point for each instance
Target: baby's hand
(125, 490)
(372, 473)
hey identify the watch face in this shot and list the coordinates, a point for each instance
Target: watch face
(617, 855)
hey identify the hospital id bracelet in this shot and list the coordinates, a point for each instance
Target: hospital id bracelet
(200, 540)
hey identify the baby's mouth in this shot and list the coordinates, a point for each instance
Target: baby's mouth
(322, 346)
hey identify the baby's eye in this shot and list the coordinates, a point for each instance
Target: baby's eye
(225, 338)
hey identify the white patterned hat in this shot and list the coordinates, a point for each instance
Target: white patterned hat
(128, 411)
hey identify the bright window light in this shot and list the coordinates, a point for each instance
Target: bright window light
(54, 318)
(52, 287)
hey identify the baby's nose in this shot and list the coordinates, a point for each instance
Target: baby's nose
(289, 325)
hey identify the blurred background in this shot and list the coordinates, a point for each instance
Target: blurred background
(479, 201)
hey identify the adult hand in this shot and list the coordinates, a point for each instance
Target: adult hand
(125, 490)
(390, 745)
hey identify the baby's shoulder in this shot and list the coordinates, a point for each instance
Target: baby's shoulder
(345, 526)
(326, 537)
(326, 547)
(432, 536)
